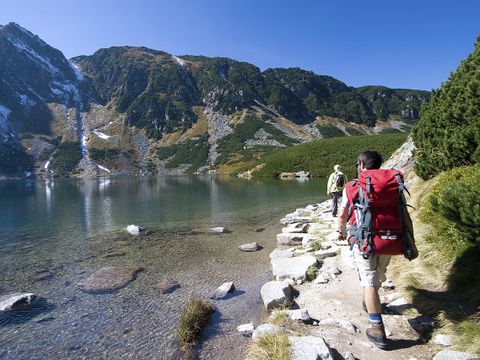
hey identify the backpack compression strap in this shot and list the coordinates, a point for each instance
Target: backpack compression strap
(363, 234)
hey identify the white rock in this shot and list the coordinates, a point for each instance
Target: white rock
(278, 253)
(442, 339)
(246, 329)
(454, 355)
(250, 247)
(10, 301)
(309, 348)
(389, 285)
(294, 238)
(223, 290)
(344, 324)
(276, 294)
(333, 270)
(267, 329)
(134, 229)
(293, 268)
(399, 305)
(320, 280)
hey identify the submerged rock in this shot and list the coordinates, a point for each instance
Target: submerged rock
(15, 300)
(167, 287)
(109, 278)
(210, 231)
(250, 247)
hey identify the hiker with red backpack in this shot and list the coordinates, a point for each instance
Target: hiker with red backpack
(335, 184)
(379, 226)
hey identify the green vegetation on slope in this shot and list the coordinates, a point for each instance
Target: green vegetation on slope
(448, 133)
(66, 158)
(319, 157)
(193, 152)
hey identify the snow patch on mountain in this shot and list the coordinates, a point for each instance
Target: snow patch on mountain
(101, 135)
(65, 91)
(33, 55)
(77, 71)
(26, 101)
(180, 62)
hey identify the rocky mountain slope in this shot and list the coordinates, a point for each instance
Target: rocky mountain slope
(133, 110)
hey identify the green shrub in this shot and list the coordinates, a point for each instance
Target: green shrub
(319, 157)
(329, 131)
(195, 315)
(448, 133)
(103, 155)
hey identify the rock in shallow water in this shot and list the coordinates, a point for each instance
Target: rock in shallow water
(109, 278)
(223, 290)
(14, 300)
(168, 287)
(250, 247)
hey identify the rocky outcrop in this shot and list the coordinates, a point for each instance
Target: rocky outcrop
(276, 294)
(15, 300)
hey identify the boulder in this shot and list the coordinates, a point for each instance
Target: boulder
(15, 300)
(422, 324)
(318, 227)
(250, 247)
(309, 348)
(297, 314)
(399, 306)
(268, 329)
(296, 228)
(294, 268)
(278, 253)
(276, 294)
(291, 218)
(134, 229)
(320, 280)
(344, 324)
(442, 339)
(294, 238)
(109, 278)
(454, 355)
(246, 329)
(223, 290)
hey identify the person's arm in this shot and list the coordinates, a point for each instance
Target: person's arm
(329, 183)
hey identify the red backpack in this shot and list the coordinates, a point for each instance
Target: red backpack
(380, 223)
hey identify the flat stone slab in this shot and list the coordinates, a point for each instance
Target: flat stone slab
(293, 238)
(276, 294)
(309, 348)
(297, 314)
(278, 253)
(14, 300)
(328, 252)
(296, 228)
(223, 290)
(268, 329)
(442, 339)
(344, 324)
(454, 355)
(399, 306)
(294, 268)
(109, 278)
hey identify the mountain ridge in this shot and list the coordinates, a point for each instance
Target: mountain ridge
(120, 106)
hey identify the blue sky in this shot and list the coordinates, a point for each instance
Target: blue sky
(400, 44)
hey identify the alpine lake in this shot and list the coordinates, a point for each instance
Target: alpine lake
(54, 234)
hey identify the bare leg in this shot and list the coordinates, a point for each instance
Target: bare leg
(372, 300)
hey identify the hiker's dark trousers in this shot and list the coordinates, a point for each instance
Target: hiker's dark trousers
(335, 196)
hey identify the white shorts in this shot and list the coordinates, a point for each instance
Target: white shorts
(371, 272)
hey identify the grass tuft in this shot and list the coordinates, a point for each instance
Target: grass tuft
(269, 347)
(312, 272)
(195, 315)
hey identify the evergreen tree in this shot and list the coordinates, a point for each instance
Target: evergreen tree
(448, 133)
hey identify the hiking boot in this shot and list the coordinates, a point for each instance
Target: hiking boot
(376, 334)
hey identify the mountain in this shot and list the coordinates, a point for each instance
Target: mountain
(133, 110)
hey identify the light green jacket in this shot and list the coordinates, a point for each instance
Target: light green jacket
(332, 179)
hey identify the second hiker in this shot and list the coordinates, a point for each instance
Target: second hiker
(335, 184)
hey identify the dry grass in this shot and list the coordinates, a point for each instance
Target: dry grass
(424, 280)
(270, 347)
(195, 315)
